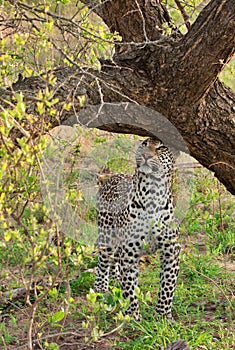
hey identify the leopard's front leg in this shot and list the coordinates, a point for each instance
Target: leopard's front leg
(169, 258)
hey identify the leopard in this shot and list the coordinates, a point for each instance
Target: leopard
(135, 215)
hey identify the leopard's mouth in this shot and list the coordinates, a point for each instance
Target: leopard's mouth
(145, 169)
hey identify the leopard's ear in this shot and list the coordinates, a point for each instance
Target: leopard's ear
(155, 139)
(155, 142)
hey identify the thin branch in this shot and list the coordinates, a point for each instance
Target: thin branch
(184, 13)
(49, 336)
(112, 331)
(216, 285)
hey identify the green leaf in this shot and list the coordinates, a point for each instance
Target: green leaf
(91, 297)
(7, 236)
(53, 346)
(53, 293)
(57, 317)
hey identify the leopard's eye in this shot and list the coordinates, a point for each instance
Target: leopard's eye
(144, 143)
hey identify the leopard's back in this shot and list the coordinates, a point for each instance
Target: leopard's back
(114, 194)
(113, 203)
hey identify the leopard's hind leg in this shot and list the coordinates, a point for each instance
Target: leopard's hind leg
(105, 262)
(169, 258)
(128, 281)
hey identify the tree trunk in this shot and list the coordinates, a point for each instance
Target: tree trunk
(174, 77)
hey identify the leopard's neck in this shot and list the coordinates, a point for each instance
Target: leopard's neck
(153, 191)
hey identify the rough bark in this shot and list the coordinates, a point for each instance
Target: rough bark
(143, 19)
(177, 78)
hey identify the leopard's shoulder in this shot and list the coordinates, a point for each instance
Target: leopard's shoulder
(116, 189)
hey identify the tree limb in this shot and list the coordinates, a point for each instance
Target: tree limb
(206, 49)
(135, 20)
(177, 79)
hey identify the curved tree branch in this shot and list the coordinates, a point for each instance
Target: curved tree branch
(135, 20)
(211, 42)
(176, 78)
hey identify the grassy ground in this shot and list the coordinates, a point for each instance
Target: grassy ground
(57, 308)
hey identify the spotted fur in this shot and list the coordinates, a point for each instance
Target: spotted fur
(135, 218)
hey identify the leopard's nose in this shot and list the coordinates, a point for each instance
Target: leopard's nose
(147, 155)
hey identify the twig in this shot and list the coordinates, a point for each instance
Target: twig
(30, 327)
(216, 284)
(143, 22)
(112, 331)
(4, 343)
(51, 336)
(65, 307)
(184, 13)
(224, 163)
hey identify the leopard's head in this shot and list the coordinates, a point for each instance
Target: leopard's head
(153, 157)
